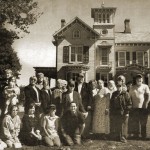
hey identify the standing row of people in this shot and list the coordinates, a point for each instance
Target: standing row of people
(91, 107)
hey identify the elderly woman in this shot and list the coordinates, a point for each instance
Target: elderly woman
(30, 132)
(11, 128)
(101, 106)
(112, 87)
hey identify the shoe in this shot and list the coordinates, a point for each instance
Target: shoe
(123, 140)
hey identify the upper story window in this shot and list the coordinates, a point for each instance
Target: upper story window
(124, 58)
(76, 34)
(76, 54)
(102, 18)
(104, 56)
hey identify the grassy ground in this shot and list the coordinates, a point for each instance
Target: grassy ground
(100, 145)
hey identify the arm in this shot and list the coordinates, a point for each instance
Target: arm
(128, 102)
(146, 97)
(6, 130)
(44, 127)
(81, 107)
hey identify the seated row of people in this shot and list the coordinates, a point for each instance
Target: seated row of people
(49, 129)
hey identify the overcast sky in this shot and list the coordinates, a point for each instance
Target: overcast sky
(36, 48)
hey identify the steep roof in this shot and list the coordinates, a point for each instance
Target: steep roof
(76, 20)
(132, 37)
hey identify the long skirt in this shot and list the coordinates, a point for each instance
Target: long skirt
(101, 116)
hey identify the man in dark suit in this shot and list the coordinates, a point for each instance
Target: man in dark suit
(32, 95)
(46, 96)
(83, 89)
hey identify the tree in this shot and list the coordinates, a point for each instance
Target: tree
(20, 14)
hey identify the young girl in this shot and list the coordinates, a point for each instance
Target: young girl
(50, 127)
(11, 93)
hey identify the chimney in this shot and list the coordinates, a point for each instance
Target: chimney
(127, 26)
(63, 22)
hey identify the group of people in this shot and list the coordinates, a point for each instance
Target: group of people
(73, 110)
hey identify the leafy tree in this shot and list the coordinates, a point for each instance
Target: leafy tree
(20, 14)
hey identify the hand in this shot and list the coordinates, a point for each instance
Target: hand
(38, 104)
(85, 115)
(39, 137)
(88, 107)
(7, 102)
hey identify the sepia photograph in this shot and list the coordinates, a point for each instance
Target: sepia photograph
(75, 74)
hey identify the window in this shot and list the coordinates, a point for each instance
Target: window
(76, 53)
(121, 58)
(100, 18)
(104, 56)
(108, 18)
(146, 59)
(76, 34)
(103, 18)
(140, 58)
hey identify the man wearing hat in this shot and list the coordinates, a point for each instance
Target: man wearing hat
(120, 104)
(140, 95)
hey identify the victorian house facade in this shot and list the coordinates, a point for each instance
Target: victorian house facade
(99, 52)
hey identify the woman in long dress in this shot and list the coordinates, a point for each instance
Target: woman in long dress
(101, 106)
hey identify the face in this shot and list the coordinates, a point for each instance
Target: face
(33, 81)
(110, 85)
(119, 89)
(100, 84)
(70, 88)
(8, 75)
(59, 85)
(120, 82)
(14, 112)
(93, 85)
(11, 84)
(40, 79)
(81, 79)
(13, 79)
(31, 110)
(139, 81)
(52, 112)
(73, 107)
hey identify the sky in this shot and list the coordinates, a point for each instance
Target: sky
(37, 50)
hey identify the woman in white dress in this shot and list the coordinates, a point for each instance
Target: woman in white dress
(101, 106)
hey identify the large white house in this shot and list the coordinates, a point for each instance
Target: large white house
(99, 52)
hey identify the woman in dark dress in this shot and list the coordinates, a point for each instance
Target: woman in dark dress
(30, 132)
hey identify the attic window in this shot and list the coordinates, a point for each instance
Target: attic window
(76, 34)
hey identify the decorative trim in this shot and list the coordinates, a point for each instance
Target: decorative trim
(132, 67)
(133, 44)
(76, 67)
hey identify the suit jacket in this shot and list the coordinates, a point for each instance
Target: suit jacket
(85, 94)
(31, 96)
(57, 100)
(76, 98)
(46, 99)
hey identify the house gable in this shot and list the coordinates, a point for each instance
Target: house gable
(75, 22)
